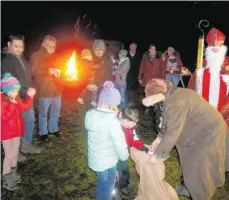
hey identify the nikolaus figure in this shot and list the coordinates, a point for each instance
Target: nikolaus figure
(213, 80)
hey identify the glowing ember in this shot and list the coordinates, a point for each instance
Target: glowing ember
(71, 72)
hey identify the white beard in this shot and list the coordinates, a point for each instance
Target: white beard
(215, 60)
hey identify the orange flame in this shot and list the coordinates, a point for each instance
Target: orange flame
(71, 73)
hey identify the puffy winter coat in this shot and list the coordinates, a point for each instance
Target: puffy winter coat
(106, 140)
(12, 124)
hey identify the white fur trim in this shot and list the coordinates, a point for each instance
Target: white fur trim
(153, 99)
(214, 89)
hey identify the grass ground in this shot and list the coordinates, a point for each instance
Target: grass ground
(60, 172)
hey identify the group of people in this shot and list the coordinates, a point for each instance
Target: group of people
(181, 117)
(184, 119)
(17, 102)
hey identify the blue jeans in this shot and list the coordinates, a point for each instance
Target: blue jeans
(29, 120)
(105, 184)
(44, 104)
(122, 89)
(175, 79)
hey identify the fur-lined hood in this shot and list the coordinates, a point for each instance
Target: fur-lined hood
(153, 99)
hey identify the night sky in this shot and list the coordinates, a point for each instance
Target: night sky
(161, 23)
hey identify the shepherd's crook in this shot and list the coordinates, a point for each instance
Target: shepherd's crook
(205, 24)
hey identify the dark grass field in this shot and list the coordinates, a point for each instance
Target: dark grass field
(60, 172)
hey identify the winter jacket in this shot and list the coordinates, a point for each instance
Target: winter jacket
(106, 141)
(164, 63)
(12, 124)
(48, 85)
(87, 72)
(13, 64)
(132, 76)
(132, 138)
(104, 71)
(149, 68)
(122, 70)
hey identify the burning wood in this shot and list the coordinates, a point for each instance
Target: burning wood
(71, 73)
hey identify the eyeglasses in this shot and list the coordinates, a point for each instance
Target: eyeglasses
(51, 47)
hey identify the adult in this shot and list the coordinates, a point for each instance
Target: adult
(120, 72)
(13, 61)
(49, 89)
(171, 63)
(102, 63)
(132, 76)
(213, 84)
(150, 66)
(198, 131)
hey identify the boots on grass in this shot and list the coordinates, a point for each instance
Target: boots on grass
(116, 192)
(21, 158)
(8, 182)
(16, 177)
(182, 191)
(29, 148)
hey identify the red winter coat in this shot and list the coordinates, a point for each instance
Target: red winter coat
(12, 124)
(131, 137)
(149, 69)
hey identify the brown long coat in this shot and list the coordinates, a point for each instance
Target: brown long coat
(200, 134)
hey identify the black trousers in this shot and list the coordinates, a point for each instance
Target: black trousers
(123, 172)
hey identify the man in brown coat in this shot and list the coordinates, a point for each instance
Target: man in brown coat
(198, 131)
(49, 88)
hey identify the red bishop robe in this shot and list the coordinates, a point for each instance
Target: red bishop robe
(214, 89)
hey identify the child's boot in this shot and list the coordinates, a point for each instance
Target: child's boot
(8, 182)
(16, 176)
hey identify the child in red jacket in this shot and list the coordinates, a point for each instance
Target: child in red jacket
(129, 119)
(12, 126)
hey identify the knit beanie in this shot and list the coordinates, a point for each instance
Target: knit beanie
(99, 44)
(109, 95)
(122, 53)
(156, 86)
(86, 54)
(9, 83)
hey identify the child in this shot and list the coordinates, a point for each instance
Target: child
(129, 119)
(12, 126)
(88, 62)
(106, 141)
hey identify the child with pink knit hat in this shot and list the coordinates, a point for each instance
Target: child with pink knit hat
(106, 140)
(12, 126)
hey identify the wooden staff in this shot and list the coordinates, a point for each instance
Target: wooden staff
(200, 55)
